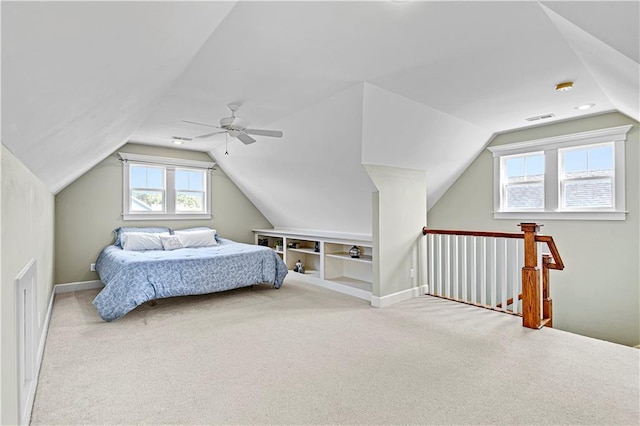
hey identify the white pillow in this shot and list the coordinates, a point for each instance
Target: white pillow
(138, 241)
(172, 242)
(203, 238)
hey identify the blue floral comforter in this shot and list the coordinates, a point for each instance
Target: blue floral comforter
(134, 277)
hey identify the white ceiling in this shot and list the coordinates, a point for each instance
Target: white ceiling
(79, 79)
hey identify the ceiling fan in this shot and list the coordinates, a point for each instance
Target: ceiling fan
(235, 127)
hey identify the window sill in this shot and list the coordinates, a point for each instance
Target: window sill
(190, 216)
(566, 215)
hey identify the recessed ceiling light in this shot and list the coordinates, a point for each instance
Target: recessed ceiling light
(585, 107)
(563, 87)
(177, 142)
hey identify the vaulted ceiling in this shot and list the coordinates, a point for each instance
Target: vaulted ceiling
(407, 84)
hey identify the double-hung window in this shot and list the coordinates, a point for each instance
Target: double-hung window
(156, 188)
(576, 176)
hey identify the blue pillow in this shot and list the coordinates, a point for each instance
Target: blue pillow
(122, 230)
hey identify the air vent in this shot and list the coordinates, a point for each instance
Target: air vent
(540, 117)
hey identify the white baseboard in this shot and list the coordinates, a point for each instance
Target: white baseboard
(82, 285)
(40, 354)
(401, 296)
(340, 288)
(58, 288)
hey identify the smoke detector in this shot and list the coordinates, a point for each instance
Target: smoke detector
(564, 87)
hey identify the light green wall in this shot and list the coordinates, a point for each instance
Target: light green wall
(598, 293)
(27, 224)
(88, 210)
(399, 213)
(2, 356)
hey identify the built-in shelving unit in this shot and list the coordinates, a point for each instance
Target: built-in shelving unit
(326, 258)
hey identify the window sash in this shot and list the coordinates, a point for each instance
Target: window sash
(530, 183)
(526, 180)
(564, 199)
(203, 200)
(163, 205)
(590, 175)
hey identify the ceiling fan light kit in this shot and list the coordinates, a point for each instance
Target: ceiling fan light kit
(233, 126)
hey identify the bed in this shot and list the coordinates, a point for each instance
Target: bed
(135, 277)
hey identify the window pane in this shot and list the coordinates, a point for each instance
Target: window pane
(189, 180)
(534, 166)
(525, 168)
(525, 196)
(575, 161)
(515, 167)
(190, 201)
(601, 158)
(146, 177)
(146, 201)
(196, 180)
(182, 179)
(588, 193)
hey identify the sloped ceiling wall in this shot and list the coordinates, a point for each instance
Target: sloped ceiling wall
(406, 84)
(312, 178)
(400, 132)
(617, 71)
(78, 78)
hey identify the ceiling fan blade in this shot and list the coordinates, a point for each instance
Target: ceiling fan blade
(206, 135)
(259, 132)
(200, 124)
(245, 138)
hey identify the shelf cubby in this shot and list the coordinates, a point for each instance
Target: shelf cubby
(326, 259)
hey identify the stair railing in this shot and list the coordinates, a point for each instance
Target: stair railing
(494, 270)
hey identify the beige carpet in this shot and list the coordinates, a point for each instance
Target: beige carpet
(306, 355)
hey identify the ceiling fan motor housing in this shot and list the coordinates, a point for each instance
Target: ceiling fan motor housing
(226, 122)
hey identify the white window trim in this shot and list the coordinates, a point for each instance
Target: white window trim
(170, 164)
(550, 146)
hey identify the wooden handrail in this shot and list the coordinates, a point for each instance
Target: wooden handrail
(531, 292)
(426, 231)
(548, 239)
(557, 260)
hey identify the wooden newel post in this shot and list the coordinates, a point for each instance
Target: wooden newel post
(530, 278)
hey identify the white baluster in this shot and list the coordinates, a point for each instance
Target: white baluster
(493, 270)
(515, 273)
(447, 288)
(505, 272)
(483, 271)
(432, 264)
(456, 256)
(474, 270)
(465, 259)
(439, 289)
